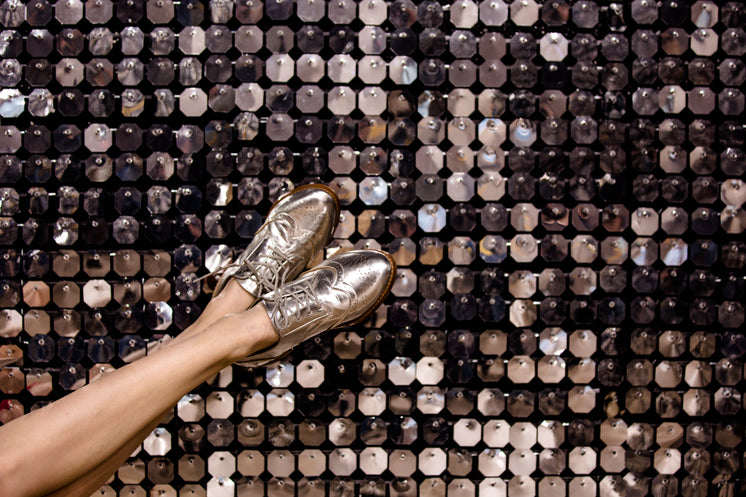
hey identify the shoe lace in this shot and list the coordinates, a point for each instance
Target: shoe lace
(277, 265)
(277, 268)
(292, 304)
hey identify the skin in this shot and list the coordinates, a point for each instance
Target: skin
(33, 445)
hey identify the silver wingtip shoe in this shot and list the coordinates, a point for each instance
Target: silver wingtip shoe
(343, 290)
(297, 228)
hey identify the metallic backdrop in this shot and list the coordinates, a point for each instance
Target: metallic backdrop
(560, 183)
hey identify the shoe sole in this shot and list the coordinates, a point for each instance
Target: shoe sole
(315, 186)
(384, 294)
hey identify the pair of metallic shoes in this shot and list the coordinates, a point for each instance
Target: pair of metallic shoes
(342, 290)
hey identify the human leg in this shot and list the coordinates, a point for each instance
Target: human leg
(296, 229)
(232, 298)
(341, 291)
(33, 444)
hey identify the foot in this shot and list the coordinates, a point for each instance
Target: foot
(297, 228)
(343, 290)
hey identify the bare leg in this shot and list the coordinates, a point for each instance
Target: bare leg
(33, 443)
(231, 299)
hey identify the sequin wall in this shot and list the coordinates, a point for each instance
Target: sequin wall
(560, 183)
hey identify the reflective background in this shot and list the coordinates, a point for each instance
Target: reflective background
(560, 183)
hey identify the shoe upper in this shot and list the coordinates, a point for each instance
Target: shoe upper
(297, 228)
(341, 290)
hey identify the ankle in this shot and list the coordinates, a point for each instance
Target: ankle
(232, 298)
(254, 329)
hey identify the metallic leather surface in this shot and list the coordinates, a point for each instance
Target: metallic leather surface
(340, 291)
(296, 229)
